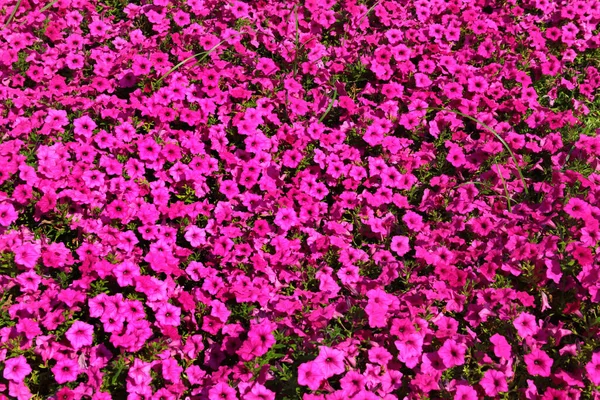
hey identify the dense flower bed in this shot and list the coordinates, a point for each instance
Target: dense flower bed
(210, 199)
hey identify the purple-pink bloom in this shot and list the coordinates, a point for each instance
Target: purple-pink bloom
(16, 369)
(66, 370)
(452, 353)
(538, 363)
(80, 334)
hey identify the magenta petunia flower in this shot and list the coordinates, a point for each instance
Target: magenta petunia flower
(16, 369)
(456, 157)
(148, 149)
(222, 391)
(168, 315)
(29, 281)
(80, 334)
(75, 61)
(583, 255)
(464, 392)
(56, 119)
(66, 370)
(526, 325)
(249, 350)
(413, 220)
(452, 353)
(84, 126)
(98, 28)
(164, 394)
(8, 215)
(379, 355)
(502, 348)
(353, 382)
(286, 218)
(126, 272)
(592, 369)
(310, 374)
(330, 361)
(171, 370)
(538, 363)
(432, 363)
(577, 208)
(493, 382)
(400, 245)
(259, 392)
(139, 372)
(65, 394)
(410, 346)
(27, 255)
(477, 84)
(19, 390)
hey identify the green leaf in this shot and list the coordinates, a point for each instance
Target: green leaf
(13, 13)
(330, 106)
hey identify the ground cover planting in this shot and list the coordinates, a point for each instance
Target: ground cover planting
(318, 200)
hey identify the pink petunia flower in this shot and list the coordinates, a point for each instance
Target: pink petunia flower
(84, 126)
(263, 335)
(249, 350)
(493, 382)
(19, 391)
(195, 374)
(27, 255)
(29, 281)
(353, 382)
(456, 157)
(56, 119)
(538, 363)
(80, 334)
(98, 28)
(139, 372)
(526, 325)
(222, 391)
(8, 215)
(577, 208)
(16, 369)
(171, 370)
(409, 347)
(477, 84)
(286, 218)
(413, 220)
(164, 394)
(168, 315)
(66, 370)
(330, 361)
(501, 347)
(75, 61)
(464, 392)
(126, 272)
(379, 355)
(148, 150)
(309, 374)
(400, 245)
(452, 353)
(259, 392)
(592, 368)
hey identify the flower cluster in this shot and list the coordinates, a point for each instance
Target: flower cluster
(319, 200)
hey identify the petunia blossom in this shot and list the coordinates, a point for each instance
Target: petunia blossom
(80, 334)
(16, 369)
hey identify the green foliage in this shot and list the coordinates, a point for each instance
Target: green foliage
(241, 312)
(7, 264)
(115, 374)
(21, 65)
